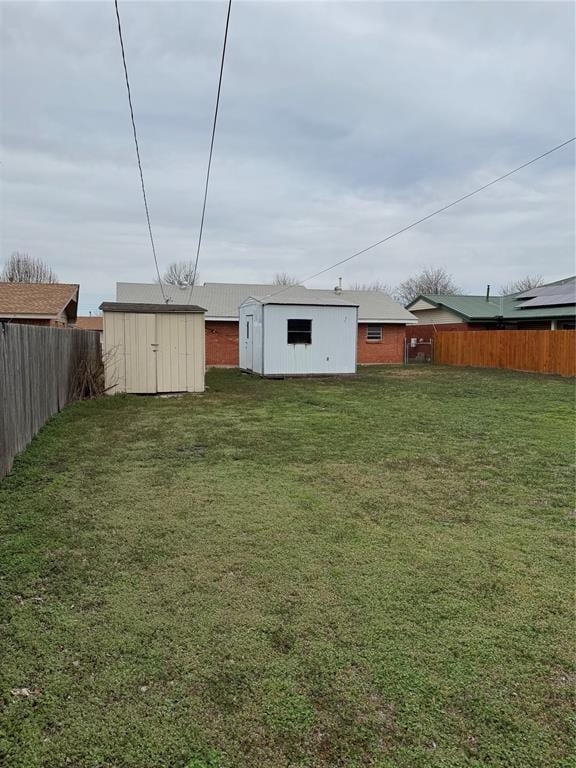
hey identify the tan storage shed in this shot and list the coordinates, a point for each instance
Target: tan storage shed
(150, 348)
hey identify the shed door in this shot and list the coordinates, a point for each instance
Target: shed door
(250, 342)
(171, 358)
(140, 345)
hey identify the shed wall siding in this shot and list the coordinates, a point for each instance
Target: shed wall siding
(148, 353)
(255, 310)
(333, 347)
(114, 352)
(195, 353)
(139, 336)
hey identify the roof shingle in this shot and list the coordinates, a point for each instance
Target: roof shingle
(36, 298)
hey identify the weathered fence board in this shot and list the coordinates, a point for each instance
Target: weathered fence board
(38, 367)
(540, 351)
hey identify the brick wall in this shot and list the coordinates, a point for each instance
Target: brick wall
(222, 343)
(389, 350)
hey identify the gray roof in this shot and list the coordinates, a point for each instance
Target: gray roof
(220, 299)
(303, 298)
(223, 299)
(375, 306)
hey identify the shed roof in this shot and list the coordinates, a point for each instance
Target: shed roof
(37, 298)
(150, 309)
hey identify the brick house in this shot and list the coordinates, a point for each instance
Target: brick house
(53, 304)
(381, 321)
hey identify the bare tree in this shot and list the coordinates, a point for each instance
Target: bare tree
(522, 284)
(434, 281)
(180, 273)
(374, 285)
(283, 278)
(22, 268)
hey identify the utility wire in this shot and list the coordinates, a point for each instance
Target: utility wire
(138, 150)
(430, 215)
(211, 151)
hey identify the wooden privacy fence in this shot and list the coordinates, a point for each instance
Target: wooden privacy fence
(41, 371)
(541, 351)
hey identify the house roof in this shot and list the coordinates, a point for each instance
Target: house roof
(376, 306)
(151, 309)
(37, 298)
(89, 323)
(220, 299)
(520, 306)
(223, 299)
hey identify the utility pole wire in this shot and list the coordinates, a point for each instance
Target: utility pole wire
(434, 213)
(211, 150)
(138, 150)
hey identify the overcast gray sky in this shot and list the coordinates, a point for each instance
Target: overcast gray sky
(339, 123)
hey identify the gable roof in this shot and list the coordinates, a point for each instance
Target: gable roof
(535, 304)
(43, 299)
(223, 299)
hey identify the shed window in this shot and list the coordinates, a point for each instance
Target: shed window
(299, 331)
(374, 333)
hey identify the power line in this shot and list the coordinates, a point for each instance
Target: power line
(211, 149)
(434, 213)
(138, 149)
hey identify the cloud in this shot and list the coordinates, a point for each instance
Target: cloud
(339, 123)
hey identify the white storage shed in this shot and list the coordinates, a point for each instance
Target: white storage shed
(150, 348)
(287, 336)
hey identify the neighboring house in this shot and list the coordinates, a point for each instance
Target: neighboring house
(289, 336)
(550, 306)
(54, 304)
(90, 323)
(381, 321)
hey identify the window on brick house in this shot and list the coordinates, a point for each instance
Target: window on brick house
(374, 333)
(299, 331)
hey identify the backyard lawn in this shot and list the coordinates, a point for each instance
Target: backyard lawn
(308, 573)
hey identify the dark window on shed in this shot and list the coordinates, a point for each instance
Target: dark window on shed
(299, 331)
(374, 333)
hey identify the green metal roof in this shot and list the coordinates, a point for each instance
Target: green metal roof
(498, 307)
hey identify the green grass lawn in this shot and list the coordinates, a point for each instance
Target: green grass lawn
(316, 573)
